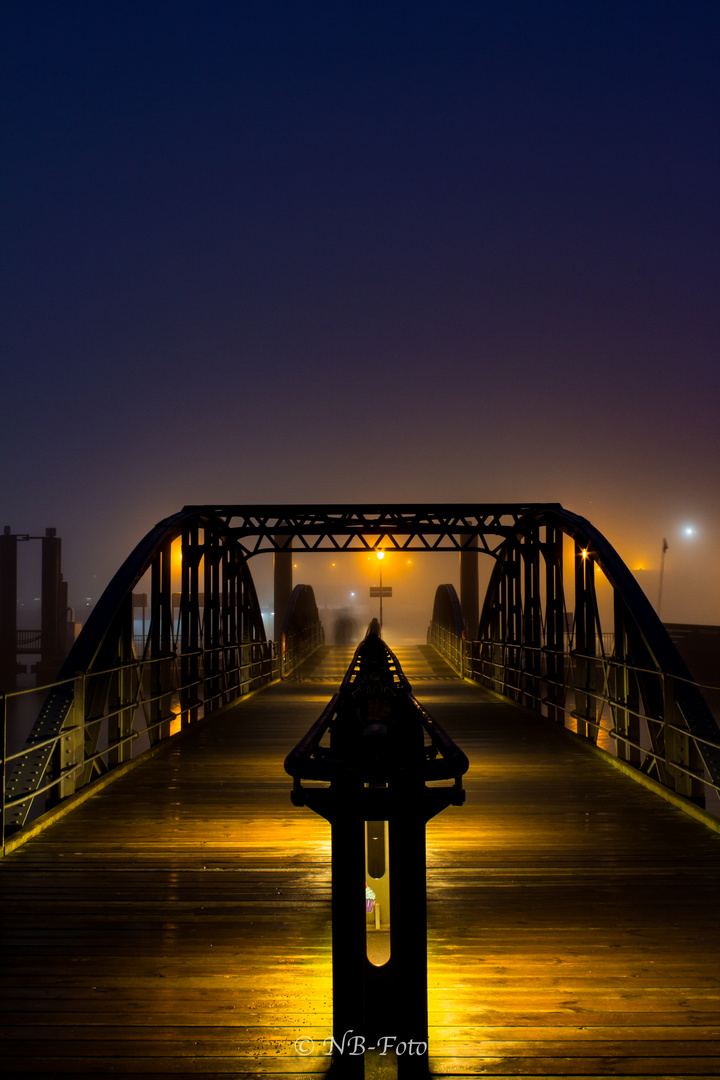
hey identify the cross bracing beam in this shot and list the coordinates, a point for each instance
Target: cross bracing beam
(416, 527)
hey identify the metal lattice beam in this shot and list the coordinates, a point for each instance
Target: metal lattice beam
(480, 527)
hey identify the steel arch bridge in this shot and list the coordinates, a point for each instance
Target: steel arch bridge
(538, 639)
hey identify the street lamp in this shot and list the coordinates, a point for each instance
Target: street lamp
(662, 574)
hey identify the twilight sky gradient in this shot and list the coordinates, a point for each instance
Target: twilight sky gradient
(302, 250)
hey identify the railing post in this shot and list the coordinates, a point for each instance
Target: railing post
(585, 712)
(161, 668)
(680, 749)
(118, 727)
(3, 698)
(625, 708)
(624, 689)
(189, 626)
(554, 647)
(72, 745)
(164, 704)
(122, 700)
(244, 667)
(512, 630)
(532, 620)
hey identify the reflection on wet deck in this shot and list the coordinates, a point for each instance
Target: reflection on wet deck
(177, 923)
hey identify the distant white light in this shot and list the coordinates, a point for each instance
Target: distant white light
(352, 593)
(690, 530)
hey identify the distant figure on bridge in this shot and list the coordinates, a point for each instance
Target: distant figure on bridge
(345, 629)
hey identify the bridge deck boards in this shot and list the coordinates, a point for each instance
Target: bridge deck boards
(177, 923)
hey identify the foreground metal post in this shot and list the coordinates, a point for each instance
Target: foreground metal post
(377, 747)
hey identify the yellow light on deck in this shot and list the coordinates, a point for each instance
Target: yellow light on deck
(380, 554)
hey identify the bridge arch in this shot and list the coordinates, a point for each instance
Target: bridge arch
(447, 628)
(542, 642)
(203, 646)
(301, 632)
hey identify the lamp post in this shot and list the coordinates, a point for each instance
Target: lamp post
(662, 574)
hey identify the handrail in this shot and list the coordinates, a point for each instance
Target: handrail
(442, 759)
(485, 660)
(75, 766)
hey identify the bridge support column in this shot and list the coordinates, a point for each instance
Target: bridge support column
(8, 610)
(469, 593)
(282, 581)
(53, 637)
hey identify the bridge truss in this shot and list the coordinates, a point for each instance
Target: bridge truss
(204, 645)
(482, 527)
(118, 691)
(544, 641)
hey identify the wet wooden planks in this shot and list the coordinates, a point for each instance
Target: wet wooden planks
(579, 934)
(177, 924)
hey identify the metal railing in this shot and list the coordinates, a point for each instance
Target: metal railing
(153, 699)
(448, 645)
(591, 699)
(29, 641)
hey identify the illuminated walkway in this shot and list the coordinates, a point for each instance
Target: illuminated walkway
(176, 924)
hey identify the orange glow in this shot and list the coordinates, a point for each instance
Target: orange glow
(176, 563)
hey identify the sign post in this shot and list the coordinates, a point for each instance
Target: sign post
(379, 590)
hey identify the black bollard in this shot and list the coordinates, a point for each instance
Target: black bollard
(376, 747)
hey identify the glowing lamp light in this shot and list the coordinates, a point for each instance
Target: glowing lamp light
(380, 554)
(690, 530)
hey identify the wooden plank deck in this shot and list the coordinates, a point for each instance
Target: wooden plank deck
(177, 923)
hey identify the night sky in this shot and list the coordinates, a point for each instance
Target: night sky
(332, 251)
